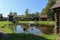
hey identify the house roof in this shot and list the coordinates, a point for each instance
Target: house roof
(42, 16)
(16, 16)
(56, 5)
(12, 14)
(0, 14)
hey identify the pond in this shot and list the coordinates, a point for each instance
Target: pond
(33, 29)
(30, 30)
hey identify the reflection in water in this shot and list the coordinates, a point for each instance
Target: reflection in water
(19, 29)
(35, 29)
(31, 30)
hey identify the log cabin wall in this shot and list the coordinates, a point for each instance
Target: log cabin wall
(57, 20)
(57, 24)
(56, 8)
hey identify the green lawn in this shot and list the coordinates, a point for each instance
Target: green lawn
(14, 36)
(2, 23)
(46, 22)
(39, 22)
(31, 37)
(51, 36)
(4, 27)
(6, 30)
(5, 23)
(26, 22)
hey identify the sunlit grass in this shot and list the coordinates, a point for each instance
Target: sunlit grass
(14, 36)
(39, 22)
(46, 22)
(4, 27)
(7, 30)
(2, 23)
(51, 36)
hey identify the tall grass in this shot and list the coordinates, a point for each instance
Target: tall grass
(39, 22)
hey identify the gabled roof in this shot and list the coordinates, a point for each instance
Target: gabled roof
(56, 5)
(0, 14)
(12, 14)
(42, 16)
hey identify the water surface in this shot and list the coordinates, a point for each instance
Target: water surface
(31, 30)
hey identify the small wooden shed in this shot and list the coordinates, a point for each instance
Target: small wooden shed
(1, 16)
(12, 15)
(43, 17)
(56, 8)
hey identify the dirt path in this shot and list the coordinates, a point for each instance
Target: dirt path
(58, 38)
(1, 30)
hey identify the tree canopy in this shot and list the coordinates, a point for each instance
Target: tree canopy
(47, 10)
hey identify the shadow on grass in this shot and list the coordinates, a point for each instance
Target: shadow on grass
(15, 36)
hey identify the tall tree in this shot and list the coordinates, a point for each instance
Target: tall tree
(47, 10)
(27, 14)
(37, 14)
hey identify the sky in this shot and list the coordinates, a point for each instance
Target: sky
(20, 6)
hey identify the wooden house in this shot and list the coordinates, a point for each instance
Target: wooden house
(43, 17)
(1, 17)
(11, 15)
(56, 8)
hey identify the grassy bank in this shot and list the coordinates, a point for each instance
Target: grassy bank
(4, 27)
(31, 37)
(39, 22)
(27, 22)
(2, 23)
(46, 22)
(6, 30)
(15, 36)
(51, 36)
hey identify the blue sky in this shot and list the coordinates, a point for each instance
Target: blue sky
(20, 6)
